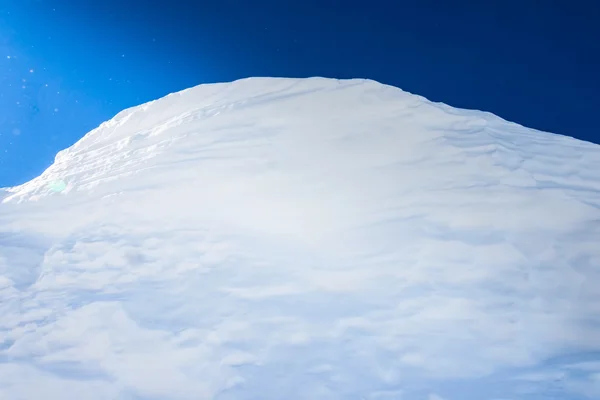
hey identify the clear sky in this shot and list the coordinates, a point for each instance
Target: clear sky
(68, 65)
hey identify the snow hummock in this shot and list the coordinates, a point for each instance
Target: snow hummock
(304, 239)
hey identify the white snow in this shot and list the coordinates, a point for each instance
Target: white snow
(304, 239)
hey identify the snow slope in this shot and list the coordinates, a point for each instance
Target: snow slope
(304, 239)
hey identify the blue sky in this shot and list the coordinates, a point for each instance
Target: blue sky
(66, 66)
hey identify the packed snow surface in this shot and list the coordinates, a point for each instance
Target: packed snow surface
(304, 239)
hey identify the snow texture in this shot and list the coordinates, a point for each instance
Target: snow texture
(304, 239)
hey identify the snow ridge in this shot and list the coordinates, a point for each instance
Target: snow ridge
(304, 238)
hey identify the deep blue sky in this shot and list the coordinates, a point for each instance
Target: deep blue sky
(66, 66)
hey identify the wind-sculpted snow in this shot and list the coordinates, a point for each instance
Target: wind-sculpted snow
(304, 239)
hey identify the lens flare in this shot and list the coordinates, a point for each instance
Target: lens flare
(57, 186)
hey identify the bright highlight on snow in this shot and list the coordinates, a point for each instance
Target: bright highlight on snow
(304, 239)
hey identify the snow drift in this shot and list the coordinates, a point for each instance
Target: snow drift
(304, 239)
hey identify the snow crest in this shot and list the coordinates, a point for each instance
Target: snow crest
(304, 239)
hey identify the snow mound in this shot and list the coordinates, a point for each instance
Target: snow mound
(304, 239)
